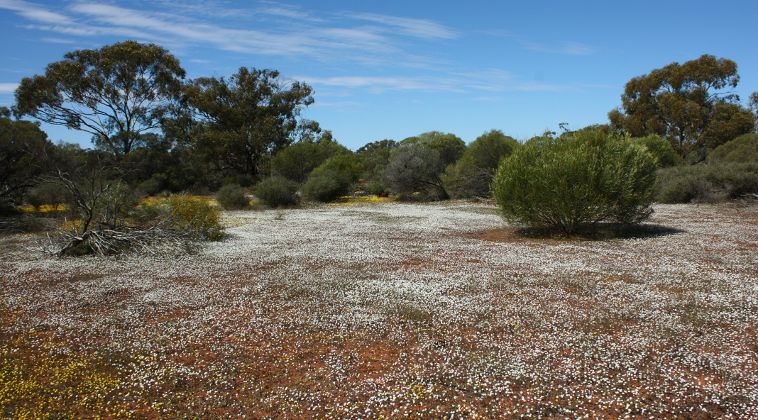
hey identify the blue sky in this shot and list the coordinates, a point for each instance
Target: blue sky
(392, 69)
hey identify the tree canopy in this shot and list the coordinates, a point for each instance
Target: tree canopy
(690, 104)
(24, 150)
(118, 93)
(248, 116)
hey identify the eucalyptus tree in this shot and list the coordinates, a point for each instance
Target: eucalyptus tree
(243, 119)
(691, 104)
(119, 93)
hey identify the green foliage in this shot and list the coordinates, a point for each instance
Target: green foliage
(472, 175)
(583, 179)
(375, 157)
(118, 93)
(245, 118)
(24, 155)
(333, 178)
(706, 182)
(192, 215)
(415, 170)
(115, 204)
(743, 149)
(297, 161)
(449, 146)
(661, 149)
(689, 104)
(232, 197)
(46, 193)
(277, 191)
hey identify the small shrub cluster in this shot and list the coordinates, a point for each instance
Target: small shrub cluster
(196, 216)
(333, 178)
(471, 176)
(576, 181)
(277, 191)
(706, 182)
(297, 161)
(232, 197)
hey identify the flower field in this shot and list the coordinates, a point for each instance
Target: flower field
(386, 309)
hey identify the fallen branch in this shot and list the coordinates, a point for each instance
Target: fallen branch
(152, 240)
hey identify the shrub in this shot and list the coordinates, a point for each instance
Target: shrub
(375, 156)
(576, 181)
(115, 204)
(46, 193)
(661, 149)
(706, 182)
(196, 216)
(277, 191)
(232, 197)
(743, 149)
(449, 146)
(415, 169)
(323, 187)
(193, 216)
(472, 175)
(333, 178)
(297, 161)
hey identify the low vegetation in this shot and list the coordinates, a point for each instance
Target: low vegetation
(707, 183)
(232, 197)
(277, 191)
(576, 181)
(743, 149)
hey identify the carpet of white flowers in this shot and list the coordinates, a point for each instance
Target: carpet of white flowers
(427, 310)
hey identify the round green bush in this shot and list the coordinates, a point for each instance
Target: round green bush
(333, 178)
(298, 160)
(232, 197)
(743, 149)
(576, 181)
(277, 191)
(324, 187)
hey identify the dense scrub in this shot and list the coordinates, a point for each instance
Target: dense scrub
(706, 182)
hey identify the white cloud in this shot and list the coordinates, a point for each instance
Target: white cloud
(483, 83)
(565, 47)
(34, 12)
(336, 36)
(421, 28)
(6, 88)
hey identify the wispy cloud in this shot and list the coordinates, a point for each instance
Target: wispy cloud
(361, 38)
(380, 84)
(484, 82)
(420, 28)
(564, 47)
(35, 12)
(53, 40)
(6, 88)
(555, 47)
